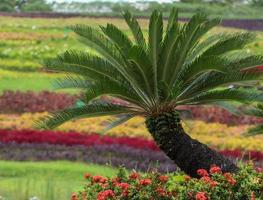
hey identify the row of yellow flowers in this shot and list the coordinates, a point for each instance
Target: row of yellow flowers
(214, 134)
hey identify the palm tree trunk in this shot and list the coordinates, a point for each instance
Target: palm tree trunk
(187, 153)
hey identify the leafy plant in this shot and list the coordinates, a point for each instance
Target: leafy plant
(153, 77)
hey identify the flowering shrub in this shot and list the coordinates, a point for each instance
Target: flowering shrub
(247, 184)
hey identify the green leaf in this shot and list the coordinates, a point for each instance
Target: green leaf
(155, 39)
(256, 130)
(91, 110)
(116, 122)
(173, 19)
(118, 37)
(135, 28)
(238, 95)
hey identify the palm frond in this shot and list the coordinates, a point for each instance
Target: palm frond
(91, 110)
(256, 130)
(155, 40)
(193, 31)
(84, 64)
(111, 88)
(211, 80)
(135, 28)
(238, 95)
(142, 69)
(116, 122)
(173, 19)
(229, 42)
(70, 82)
(118, 37)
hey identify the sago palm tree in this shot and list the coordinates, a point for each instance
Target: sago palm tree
(173, 66)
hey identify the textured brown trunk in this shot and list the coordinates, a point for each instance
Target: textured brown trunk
(187, 153)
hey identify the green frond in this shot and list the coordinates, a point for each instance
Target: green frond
(198, 25)
(238, 95)
(230, 42)
(211, 80)
(101, 44)
(111, 88)
(203, 45)
(256, 111)
(84, 64)
(256, 130)
(116, 122)
(91, 110)
(229, 106)
(142, 69)
(173, 19)
(107, 50)
(135, 28)
(118, 37)
(155, 40)
(70, 82)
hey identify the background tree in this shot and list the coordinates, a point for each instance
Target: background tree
(176, 66)
(7, 5)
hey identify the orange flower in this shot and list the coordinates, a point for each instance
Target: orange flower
(145, 182)
(229, 178)
(163, 178)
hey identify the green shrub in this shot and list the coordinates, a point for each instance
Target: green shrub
(213, 185)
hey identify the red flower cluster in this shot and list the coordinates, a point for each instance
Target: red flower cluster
(105, 195)
(215, 169)
(201, 196)
(145, 182)
(229, 178)
(202, 172)
(99, 179)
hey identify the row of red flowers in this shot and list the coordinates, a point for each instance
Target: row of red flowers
(73, 138)
(19, 102)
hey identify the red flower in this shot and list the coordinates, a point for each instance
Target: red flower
(160, 191)
(134, 175)
(87, 175)
(123, 186)
(145, 182)
(206, 179)
(253, 196)
(74, 196)
(99, 179)
(215, 169)
(213, 183)
(104, 195)
(163, 178)
(229, 178)
(201, 196)
(202, 172)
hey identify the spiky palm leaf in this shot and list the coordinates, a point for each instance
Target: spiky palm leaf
(175, 67)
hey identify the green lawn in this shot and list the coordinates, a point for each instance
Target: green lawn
(45, 180)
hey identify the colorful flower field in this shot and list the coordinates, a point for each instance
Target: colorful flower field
(127, 145)
(27, 94)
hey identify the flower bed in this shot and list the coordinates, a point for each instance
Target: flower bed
(93, 140)
(217, 135)
(20, 102)
(216, 185)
